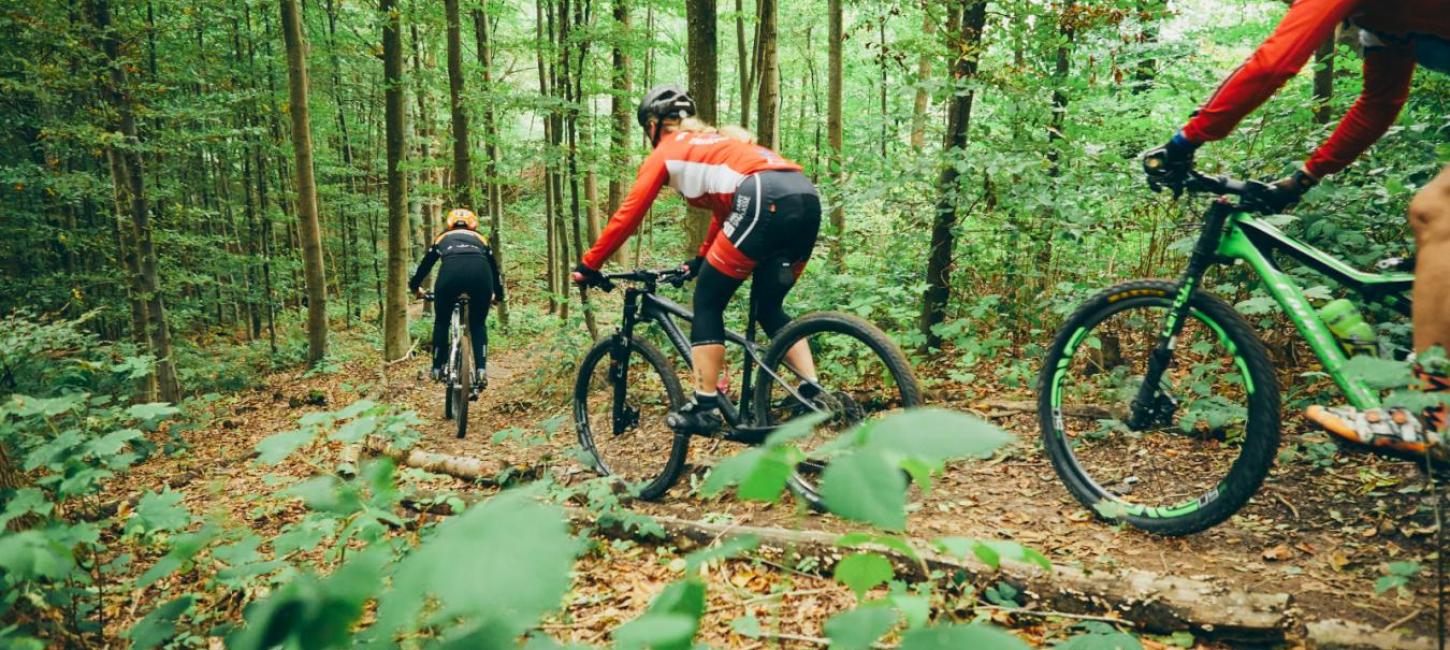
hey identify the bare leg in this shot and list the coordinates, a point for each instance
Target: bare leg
(708, 360)
(1430, 217)
(799, 358)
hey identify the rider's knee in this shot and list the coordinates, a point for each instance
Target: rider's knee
(1430, 211)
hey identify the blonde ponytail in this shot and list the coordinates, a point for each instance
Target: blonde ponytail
(694, 124)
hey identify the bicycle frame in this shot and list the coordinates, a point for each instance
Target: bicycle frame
(457, 329)
(645, 306)
(1232, 234)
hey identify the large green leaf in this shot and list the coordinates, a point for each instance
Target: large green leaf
(159, 511)
(504, 562)
(864, 571)
(32, 554)
(670, 622)
(312, 614)
(23, 502)
(976, 636)
(858, 629)
(1109, 640)
(160, 625)
(936, 435)
(275, 448)
(866, 487)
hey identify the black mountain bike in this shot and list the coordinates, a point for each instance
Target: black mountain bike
(459, 387)
(626, 386)
(1158, 403)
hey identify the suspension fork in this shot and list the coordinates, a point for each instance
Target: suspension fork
(1148, 405)
(623, 415)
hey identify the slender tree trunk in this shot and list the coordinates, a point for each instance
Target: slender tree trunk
(923, 75)
(550, 202)
(395, 307)
(491, 147)
(881, 88)
(619, 106)
(965, 48)
(743, 62)
(131, 196)
(310, 231)
(571, 82)
(767, 131)
(462, 171)
(704, 78)
(835, 132)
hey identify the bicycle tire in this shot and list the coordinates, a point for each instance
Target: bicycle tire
(829, 322)
(463, 383)
(1261, 426)
(655, 487)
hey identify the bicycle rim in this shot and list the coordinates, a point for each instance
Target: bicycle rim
(620, 407)
(860, 375)
(1200, 446)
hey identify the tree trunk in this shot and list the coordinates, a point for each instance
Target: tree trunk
(704, 78)
(835, 134)
(767, 130)
(923, 74)
(462, 171)
(541, 30)
(619, 105)
(743, 62)
(310, 232)
(494, 190)
(131, 198)
(966, 47)
(395, 307)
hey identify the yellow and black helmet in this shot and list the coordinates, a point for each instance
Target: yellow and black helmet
(460, 218)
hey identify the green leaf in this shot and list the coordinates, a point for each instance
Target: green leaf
(23, 502)
(863, 572)
(936, 435)
(159, 511)
(747, 626)
(670, 622)
(26, 406)
(858, 629)
(523, 573)
(355, 409)
(276, 448)
(113, 442)
(183, 549)
(356, 430)
(730, 471)
(1380, 373)
(729, 548)
(898, 544)
(308, 613)
(865, 487)
(152, 412)
(915, 609)
(1113, 640)
(31, 554)
(160, 625)
(1017, 552)
(976, 636)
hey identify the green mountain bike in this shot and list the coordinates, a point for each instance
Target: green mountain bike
(1158, 403)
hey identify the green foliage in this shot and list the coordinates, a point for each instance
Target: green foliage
(863, 572)
(1397, 576)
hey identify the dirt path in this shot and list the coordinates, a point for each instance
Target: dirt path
(1322, 534)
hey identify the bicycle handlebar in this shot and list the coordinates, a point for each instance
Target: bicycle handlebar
(674, 277)
(1250, 193)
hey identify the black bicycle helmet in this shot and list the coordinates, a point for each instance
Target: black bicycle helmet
(664, 102)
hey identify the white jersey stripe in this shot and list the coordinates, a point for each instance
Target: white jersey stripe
(695, 179)
(756, 220)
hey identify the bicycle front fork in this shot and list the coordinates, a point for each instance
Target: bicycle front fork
(1153, 404)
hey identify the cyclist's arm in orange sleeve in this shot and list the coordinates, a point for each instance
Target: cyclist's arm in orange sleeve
(647, 184)
(1387, 75)
(717, 221)
(1304, 28)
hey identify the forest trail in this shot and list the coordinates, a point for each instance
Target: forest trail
(1322, 535)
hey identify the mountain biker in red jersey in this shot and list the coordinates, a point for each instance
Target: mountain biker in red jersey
(765, 218)
(1398, 36)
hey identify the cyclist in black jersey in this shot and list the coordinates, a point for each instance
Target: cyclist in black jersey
(469, 268)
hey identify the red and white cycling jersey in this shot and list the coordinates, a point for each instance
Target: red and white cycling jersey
(1388, 68)
(705, 168)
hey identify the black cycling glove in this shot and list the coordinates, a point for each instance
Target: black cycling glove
(1168, 166)
(1285, 192)
(692, 267)
(586, 276)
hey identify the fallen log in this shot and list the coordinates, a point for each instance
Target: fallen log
(487, 472)
(1154, 603)
(1151, 602)
(1341, 635)
(1087, 411)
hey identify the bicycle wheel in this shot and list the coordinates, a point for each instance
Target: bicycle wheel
(861, 375)
(463, 383)
(1200, 450)
(619, 410)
